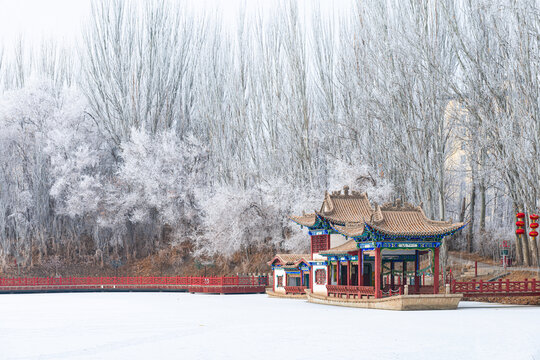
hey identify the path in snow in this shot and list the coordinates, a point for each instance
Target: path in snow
(186, 326)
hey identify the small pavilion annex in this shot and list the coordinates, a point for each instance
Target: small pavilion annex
(364, 250)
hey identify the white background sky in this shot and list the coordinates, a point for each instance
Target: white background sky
(41, 19)
(37, 20)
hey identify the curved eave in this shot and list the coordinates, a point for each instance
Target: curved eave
(338, 254)
(316, 223)
(301, 262)
(441, 233)
(329, 219)
(341, 229)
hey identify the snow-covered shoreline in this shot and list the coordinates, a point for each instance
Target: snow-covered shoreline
(187, 326)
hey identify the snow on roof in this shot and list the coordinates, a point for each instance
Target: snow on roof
(348, 212)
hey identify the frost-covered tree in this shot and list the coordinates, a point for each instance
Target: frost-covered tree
(153, 189)
(172, 124)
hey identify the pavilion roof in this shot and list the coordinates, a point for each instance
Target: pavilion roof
(290, 259)
(408, 220)
(345, 207)
(341, 249)
(350, 229)
(348, 213)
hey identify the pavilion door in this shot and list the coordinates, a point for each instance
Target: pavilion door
(294, 281)
(333, 272)
(354, 275)
(343, 275)
(306, 280)
(367, 275)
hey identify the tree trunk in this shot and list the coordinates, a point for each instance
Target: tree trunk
(482, 207)
(470, 246)
(534, 251)
(462, 217)
(526, 253)
(442, 208)
(519, 250)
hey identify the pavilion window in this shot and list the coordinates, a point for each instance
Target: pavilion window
(320, 277)
(319, 243)
(280, 281)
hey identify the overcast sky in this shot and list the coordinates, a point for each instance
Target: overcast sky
(62, 20)
(41, 19)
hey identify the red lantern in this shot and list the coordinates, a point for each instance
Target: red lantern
(520, 223)
(533, 225)
(533, 233)
(534, 217)
(520, 215)
(520, 231)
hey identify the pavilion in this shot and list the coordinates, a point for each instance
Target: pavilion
(361, 250)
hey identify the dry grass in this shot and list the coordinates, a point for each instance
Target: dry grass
(168, 262)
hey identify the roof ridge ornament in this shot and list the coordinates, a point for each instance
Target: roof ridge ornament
(399, 205)
(377, 215)
(328, 204)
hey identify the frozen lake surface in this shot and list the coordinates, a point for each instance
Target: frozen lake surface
(187, 326)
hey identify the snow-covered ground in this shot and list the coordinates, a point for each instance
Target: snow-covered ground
(186, 326)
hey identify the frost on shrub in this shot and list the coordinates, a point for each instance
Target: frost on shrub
(247, 219)
(78, 159)
(31, 118)
(360, 177)
(154, 182)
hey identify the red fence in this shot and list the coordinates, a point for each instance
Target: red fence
(223, 284)
(350, 291)
(497, 288)
(389, 290)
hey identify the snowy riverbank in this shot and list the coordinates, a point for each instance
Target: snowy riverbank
(186, 326)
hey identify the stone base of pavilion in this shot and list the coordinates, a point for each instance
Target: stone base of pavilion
(398, 302)
(282, 295)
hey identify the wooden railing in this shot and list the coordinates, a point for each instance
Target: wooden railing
(497, 288)
(389, 290)
(295, 290)
(350, 291)
(222, 284)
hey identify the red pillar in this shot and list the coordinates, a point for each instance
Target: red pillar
(436, 271)
(392, 275)
(416, 279)
(348, 272)
(360, 268)
(337, 272)
(328, 275)
(404, 274)
(378, 263)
